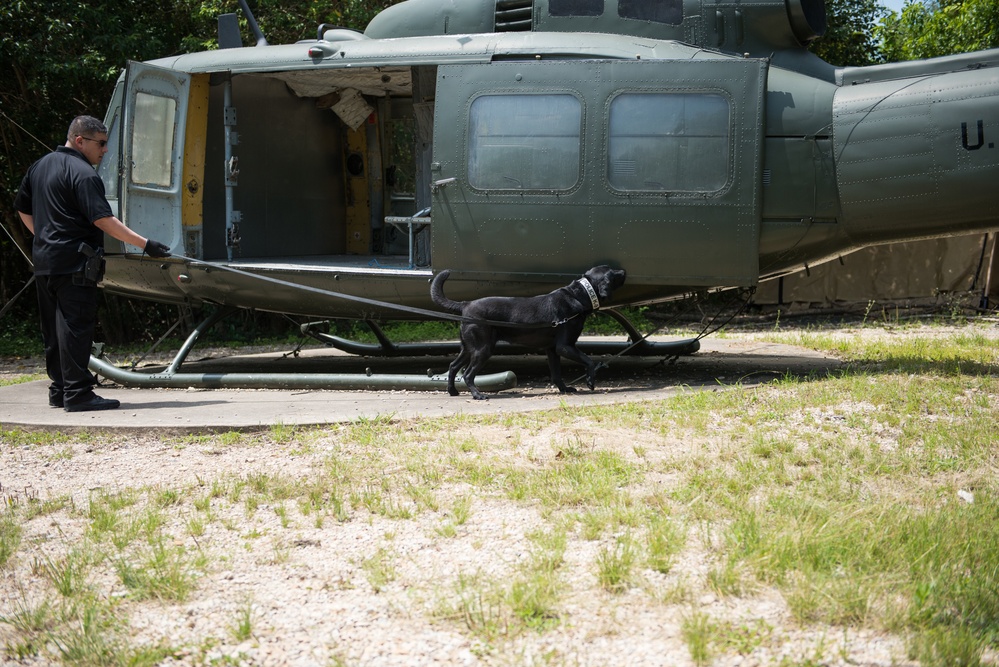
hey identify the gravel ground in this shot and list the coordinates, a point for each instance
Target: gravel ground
(313, 603)
(370, 587)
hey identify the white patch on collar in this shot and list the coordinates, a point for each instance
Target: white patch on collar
(592, 293)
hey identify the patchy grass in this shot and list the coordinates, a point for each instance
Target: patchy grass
(21, 379)
(862, 503)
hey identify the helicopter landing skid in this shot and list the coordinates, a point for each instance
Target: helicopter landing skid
(171, 378)
(638, 346)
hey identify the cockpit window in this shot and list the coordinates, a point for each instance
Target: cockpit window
(668, 142)
(524, 142)
(152, 140)
(575, 7)
(658, 11)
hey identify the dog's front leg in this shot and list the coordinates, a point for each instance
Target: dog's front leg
(469, 377)
(555, 370)
(573, 353)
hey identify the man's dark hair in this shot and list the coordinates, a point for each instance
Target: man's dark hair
(85, 126)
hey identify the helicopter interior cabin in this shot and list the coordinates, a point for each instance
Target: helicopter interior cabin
(327, 167)
(318, 168)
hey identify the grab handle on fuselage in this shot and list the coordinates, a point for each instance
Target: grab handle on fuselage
(437, 185)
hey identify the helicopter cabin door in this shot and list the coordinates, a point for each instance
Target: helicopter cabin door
(550, 167)
(154, 118)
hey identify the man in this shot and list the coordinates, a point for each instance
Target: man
(62, 202)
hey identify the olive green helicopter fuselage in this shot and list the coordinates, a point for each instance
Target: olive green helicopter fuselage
(697, 144)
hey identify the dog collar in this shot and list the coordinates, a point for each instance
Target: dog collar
(592, 293)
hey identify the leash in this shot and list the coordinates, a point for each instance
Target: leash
(703, 334)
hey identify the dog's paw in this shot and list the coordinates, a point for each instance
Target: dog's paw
(480, 397)
(452, 391)
(567, 390)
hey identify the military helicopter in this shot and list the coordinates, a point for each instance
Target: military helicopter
(696, 143)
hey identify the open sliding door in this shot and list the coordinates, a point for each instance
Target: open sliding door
(154, 118)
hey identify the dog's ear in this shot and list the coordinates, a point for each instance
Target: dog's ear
(603, 272)
(596, 272)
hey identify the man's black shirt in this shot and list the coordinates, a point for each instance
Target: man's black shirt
(64, 195)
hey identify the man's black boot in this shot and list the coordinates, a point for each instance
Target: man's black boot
(93, 403)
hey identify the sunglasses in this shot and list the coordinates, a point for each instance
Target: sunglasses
(100, 142)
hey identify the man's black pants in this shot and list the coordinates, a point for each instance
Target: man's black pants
(68, 307)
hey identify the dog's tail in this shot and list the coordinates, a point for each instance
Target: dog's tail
(437, 294)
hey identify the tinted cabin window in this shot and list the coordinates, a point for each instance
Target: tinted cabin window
(575, 7)
(672, 142)
(152, 140)
(524, 142)
(659, 11)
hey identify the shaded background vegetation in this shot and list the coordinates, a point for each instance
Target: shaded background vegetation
(62, 58)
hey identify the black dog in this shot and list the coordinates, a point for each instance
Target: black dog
(551, 322)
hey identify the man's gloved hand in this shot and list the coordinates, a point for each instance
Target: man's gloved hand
(157, 249)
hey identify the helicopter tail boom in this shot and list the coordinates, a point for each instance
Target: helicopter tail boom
(917, 157)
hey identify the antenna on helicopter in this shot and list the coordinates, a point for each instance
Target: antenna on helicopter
(228, 30)
(261, 40)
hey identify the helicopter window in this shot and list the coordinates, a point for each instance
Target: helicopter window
(524, 142)
(575, 7)
(659, 11)
(152, 139)
(675, 142)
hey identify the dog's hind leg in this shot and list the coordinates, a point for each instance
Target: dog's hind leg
(478, 360)
(456, 365)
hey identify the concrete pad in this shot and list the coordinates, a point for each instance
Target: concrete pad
(720, 363)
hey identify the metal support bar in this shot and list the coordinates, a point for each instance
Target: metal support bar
(344, 381)
(185, 349)
(629, 328)
(420, 220)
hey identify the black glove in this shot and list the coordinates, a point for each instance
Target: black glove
(157, 249)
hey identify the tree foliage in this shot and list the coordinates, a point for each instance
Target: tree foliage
(284, 21)
(927, 30)
(850, 37)
(62, 59)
